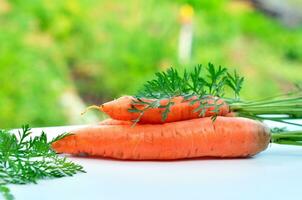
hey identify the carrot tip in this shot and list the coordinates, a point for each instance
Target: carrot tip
(90, 107)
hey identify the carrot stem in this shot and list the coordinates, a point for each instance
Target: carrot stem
(287, 138)
(290, 108)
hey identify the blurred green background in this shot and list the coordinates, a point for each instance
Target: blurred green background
(57, 56)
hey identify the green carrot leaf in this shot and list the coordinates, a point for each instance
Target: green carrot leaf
(25, 159)
(200, 82)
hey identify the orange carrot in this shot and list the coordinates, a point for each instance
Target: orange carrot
(181, 110)
(225, 137)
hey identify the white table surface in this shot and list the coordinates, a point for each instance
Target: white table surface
(273, 174)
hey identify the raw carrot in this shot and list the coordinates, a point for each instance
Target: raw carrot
(285, 109)
(176, 96)
(225, 137)
(180, 110)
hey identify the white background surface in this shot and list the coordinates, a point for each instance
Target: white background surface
(273, 174)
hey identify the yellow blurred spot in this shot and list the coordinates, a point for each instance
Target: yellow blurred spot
(239, 6)
(164, 64)
(38, 39)
(186, 13)
(5, 7)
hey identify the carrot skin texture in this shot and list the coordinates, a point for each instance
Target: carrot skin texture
(181, 110)
(227, 137)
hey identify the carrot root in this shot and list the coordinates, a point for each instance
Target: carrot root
(181, 110)
(227, 137)
(91, 107)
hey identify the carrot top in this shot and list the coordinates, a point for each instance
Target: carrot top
(25, 159)
(208, 83)
(196, 86)
(200, 81)
(204, 88)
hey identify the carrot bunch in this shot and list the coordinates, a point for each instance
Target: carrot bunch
(185, 116)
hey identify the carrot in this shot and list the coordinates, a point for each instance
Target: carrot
(226, 137)
(180, 110)
(110, 121)
(173, 95)
(120, 109)
(162, 99)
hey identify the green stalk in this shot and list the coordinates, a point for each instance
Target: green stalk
(274, 101)
(278, 110)
(287, 138)
(260, 118)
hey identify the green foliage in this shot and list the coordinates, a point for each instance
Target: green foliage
(103, 49)
(235, 82)
(24, 159)
(198, 86)
(201, 81)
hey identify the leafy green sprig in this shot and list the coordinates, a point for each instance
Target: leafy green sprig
(207, 84)
(24, 159)
(196, 87)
